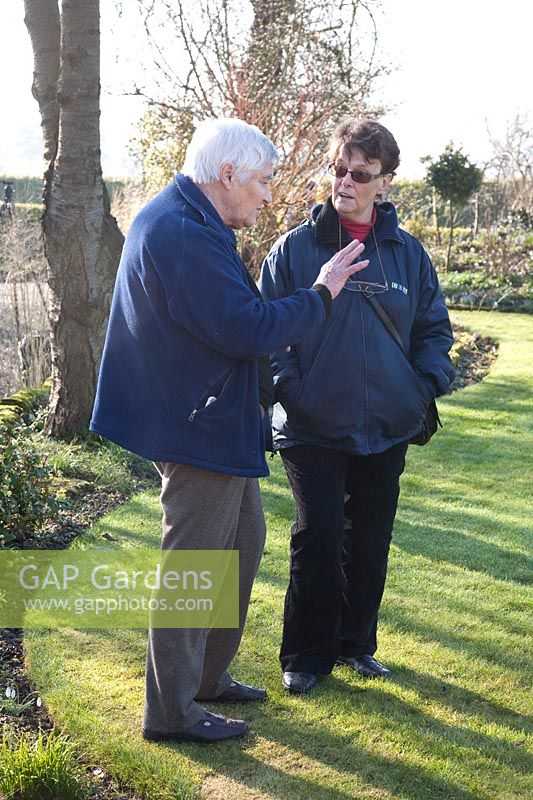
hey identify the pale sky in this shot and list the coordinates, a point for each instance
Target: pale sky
(460, 66)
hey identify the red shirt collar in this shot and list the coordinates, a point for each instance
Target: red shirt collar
(359, 230)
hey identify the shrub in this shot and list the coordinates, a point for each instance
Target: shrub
(25, 499)
(504, 250)
(21, 406)
(473, 288)
(44, 769)
(419, 227)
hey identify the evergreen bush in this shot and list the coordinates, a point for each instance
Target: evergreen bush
(26, 502)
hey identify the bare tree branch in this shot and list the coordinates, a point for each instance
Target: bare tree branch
(289, 68)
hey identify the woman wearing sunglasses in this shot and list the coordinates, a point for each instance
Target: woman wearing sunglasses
(348, 401)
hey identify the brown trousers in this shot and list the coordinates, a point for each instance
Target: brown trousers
(202, 510)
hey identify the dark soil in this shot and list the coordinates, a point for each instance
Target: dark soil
(80, 514)
(476, 354)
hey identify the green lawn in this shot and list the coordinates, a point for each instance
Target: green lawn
(451, 724)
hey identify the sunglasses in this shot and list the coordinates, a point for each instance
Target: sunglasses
(359, 177)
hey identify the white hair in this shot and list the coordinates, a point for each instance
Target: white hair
(227, 140)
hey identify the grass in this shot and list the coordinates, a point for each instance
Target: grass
(40, 769)
(452, 722)
(86, 460)
(29, 188)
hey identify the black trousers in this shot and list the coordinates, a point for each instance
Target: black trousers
(345, 509)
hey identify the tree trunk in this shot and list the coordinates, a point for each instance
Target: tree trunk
(43, 24)
(475, 223)
(435, 215)
(450, 240)
(82, 240)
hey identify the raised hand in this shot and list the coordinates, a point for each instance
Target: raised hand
(340, 267)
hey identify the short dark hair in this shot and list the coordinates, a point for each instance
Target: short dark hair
(371, 138)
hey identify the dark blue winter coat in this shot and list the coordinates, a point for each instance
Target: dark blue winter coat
(185, 327)
(347, 385)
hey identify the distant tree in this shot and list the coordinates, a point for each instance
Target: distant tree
(81, 239)
(292, 68)
(455, 179)
(512, 164)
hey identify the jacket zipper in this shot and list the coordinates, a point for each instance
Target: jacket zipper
(365, 359)
(206, 395)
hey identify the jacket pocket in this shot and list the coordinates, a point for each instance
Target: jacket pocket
(405, 403)
(317, 368)
(212, 394)
(426, 389)
(422, 386)
(397, 397)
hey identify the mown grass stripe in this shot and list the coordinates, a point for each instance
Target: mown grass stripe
(451, 724)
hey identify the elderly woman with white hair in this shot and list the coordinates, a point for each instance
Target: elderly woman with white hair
(182, 383)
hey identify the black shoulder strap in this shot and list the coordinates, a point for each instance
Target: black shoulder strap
(386, 320)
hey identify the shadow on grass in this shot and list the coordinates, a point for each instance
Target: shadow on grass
(477, 647)
(462, 700)
(512, 397)
(461, 550)
(338, 752)
(374, 702)
(334, 750)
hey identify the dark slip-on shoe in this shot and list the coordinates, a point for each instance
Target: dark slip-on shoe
(238, 692)
(367, 666)
(211, 728)
(299, 682)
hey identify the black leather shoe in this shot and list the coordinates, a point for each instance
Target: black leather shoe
(367, 666)
(299, 682)
(238, 692)
(211, 728)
